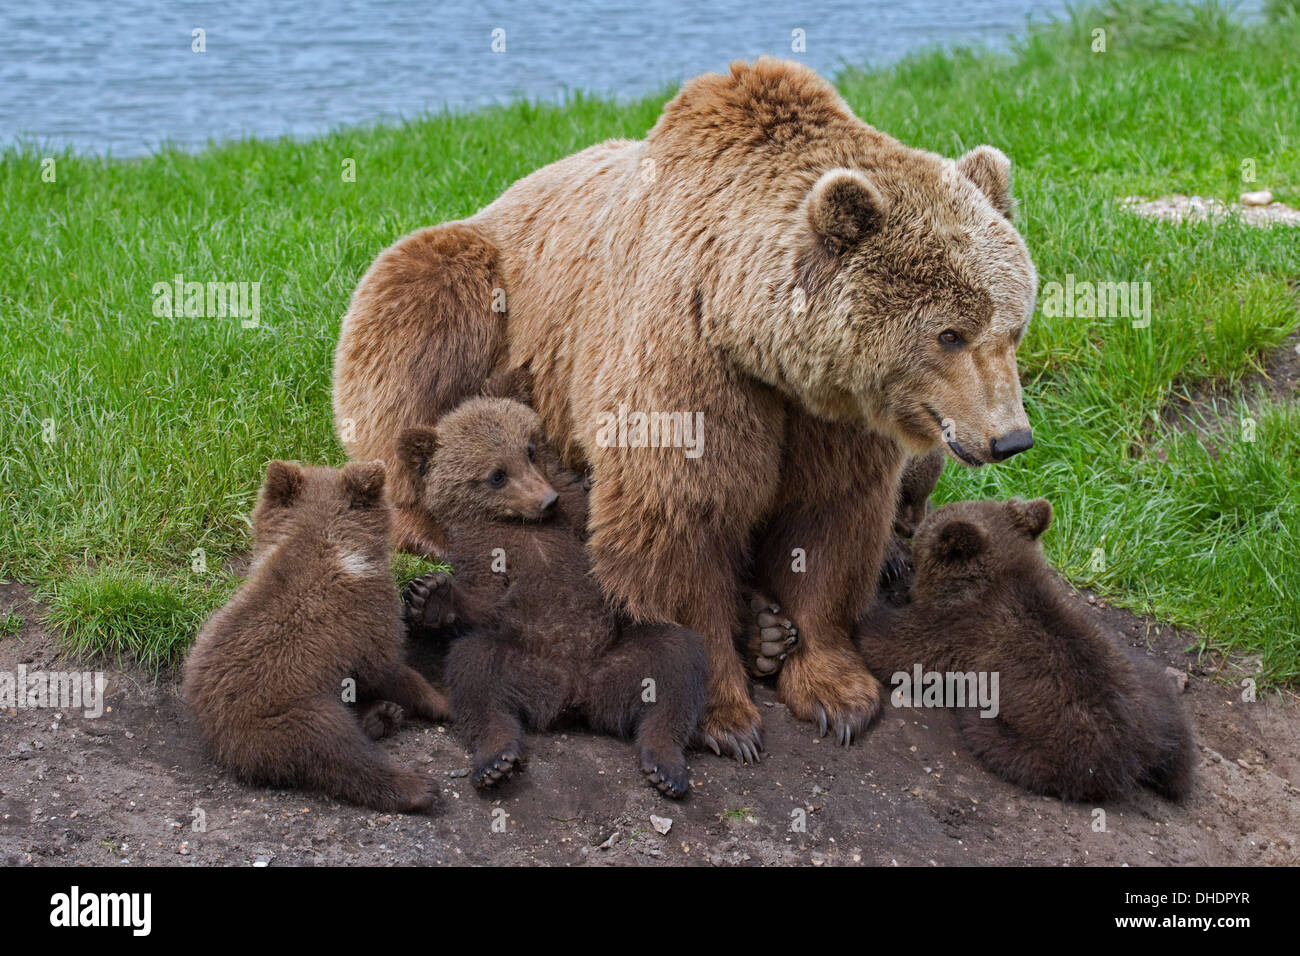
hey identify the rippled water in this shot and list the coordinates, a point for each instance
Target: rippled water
(122, 77)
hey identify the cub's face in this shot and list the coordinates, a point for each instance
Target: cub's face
(967, 550)
(480, 462)
(924, 290)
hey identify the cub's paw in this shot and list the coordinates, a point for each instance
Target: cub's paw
(731, 728)
(429, 603)
(501, 765)
(670, 775)
(380, 718)
(831, 688)
(768, 637)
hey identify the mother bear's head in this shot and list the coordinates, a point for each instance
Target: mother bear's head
(926, 290)
(880, 283)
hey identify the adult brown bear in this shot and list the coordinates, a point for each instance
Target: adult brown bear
(820, 298)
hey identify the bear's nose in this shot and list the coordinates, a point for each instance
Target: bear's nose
(1012, 443)
(548, 502)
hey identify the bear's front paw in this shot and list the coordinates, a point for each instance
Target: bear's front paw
(429, 602)
(768, 637)
(491, 770)
(832, 688)
(667, 774)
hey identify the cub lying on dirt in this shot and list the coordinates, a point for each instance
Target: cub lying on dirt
(318, 616)
(535, 640)
(1077, 715)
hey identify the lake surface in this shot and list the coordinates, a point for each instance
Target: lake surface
(122, 77)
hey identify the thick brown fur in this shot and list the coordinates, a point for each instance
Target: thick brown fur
(826, 298)
(536, 640)
(769, 637)
(265, 678)
(1078, 717)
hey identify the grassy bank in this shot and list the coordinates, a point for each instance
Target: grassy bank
(132, 444)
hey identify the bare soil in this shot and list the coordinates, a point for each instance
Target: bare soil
(1181, 208)
(121, 790)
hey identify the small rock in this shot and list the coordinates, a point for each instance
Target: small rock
(261, 861)
(462, 772)
(1178, 676)
(183, 849)
(1261, 198)
(661, 824)
(613, 837)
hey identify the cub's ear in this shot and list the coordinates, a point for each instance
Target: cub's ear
(363, 482)
(1031, 517)
(416, 448)
(958, 541)
(989, 169)
(515, 383)
(283, 484)
(843, 206)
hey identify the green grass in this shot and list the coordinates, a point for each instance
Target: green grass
(158, 428)
(11, 625)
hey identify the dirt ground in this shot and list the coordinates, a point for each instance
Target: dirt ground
(121, 789)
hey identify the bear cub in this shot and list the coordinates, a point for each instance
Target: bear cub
(1079, 716)
(266, 677)
(534, 640)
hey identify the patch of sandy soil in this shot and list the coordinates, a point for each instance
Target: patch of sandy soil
(1180, 208)
(121, 789)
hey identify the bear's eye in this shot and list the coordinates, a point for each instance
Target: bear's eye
(951, 339)
(497, 478)
(532, 451)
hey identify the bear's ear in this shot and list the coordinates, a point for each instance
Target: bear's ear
(958, 541)
(283, 484)
(843, 206)
(515, 384)
(416, 448)
(990, 170)
(1031, 517)
(363, 482)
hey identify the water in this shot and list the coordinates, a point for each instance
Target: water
(122, 78)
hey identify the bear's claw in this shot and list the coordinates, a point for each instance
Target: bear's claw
(746, 747)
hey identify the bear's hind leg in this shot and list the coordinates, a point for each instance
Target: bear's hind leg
(652, 686)
(321, 746)
(492, 689)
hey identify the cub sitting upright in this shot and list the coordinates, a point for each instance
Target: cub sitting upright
(1077, 716)
(266, 676)
(537, 639)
